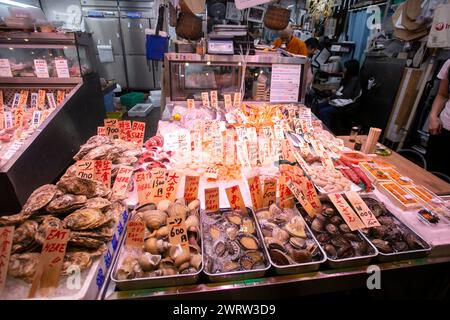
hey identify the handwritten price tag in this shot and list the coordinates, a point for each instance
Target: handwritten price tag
(51, 262)
(191, 188)
(41, 68)
(138, 132)
(171, 185)
(101, 131)
(227, 101)
(212, 199)
(102, 172)
(237, 100)
(214, 99)
(18, 117)
(144, 187)
(6, 240)
(270, 192)
(41, 99)
(286, 196)
(60, 96)
(190, 103)
(178, 232)
(23, 98)
(112, 128)
(205, 99)
(363, 211)
(254, 186)
(211, 173)
(347, 213)
(157, 184)
(51, 100)
(135, 234)
(122, 181)
(125, 130)
(297, 192)
(234, 196)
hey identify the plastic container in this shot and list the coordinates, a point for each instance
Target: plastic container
(108, 101)
(140, 110)
(131, 99)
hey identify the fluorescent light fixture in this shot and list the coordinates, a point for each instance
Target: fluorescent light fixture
(16, 4)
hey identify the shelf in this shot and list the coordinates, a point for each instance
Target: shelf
(41, 81)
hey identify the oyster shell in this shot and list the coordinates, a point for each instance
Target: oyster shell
(39, 199)
(92, 143)
(97, 203)
(104, 233)
(12, 219)
(99, 152)
(23, 265)
(83, 219)
(24, 236)
(66, 203)
(80, 259)
(78, 186)
(47, 224)
(85, 242)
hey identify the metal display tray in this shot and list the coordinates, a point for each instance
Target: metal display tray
(410, 254)
(296, 267)
(154, 282)
(237, 275)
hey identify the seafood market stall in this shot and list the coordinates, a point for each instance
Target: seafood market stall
(50, 103)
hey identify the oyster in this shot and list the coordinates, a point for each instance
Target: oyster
(248, 241)
(85, 242)
(114, 211)
(12, 219)
(78, 186)
(24, 236)
(66, 203)
(80, 259)
(97, 203)
(99, 152)
(330, 250)
(39, 199)
(92, 143)
(83, 219)
(104, 233)
(47, 224)
(23, 265)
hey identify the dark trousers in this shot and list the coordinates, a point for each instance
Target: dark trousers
(326, 112)
(438, 156)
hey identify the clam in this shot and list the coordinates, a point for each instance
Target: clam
(317, 225)
(330, 250)
(154, 219)
(323, 238)
(196, 261)
(177, 209)
(219, 248)
(400, 246)
(280, 234)
(263, 215)
(148, 261)
(361, 248)
(189, 270)
(379, 232)
(413, 241)
(234, 218)
(298, 243)
(339, 241)
(332, 229)
(23, 265)
(344, 228)
(345, 252)
(296, 227)
(351, 237)
(279, 257)
(248, 241)
(301, 256)
(382, 246)
(386, 221)
(272, 243)
(247, 225)
(24, 236)
(274, 210)
(83, 219)
(181, 201)
(66, 203)
(328, 211)
(163, 205)
(378, 209)
(47, 224)
(39, 199)
(336, 220)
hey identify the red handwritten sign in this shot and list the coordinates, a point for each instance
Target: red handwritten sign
(122, 181)
(286, 196)
(23, 99)
(212, 199)
(51, 262)
(234, 196)
(125, 130)
(102, 172)
(101, 131)
(41, 99)
(144, 187)
(60, 96)
(171, 185)
(135, 234)
(157, 184)
(6, 240)
(191, 188)
(138, 132)
(347, 213)
(254, 186)
(18, 117)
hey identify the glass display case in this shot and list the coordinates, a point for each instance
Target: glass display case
(45, 57)
(188, 75)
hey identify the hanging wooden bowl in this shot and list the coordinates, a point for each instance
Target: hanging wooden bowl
(277, 18)
(189, 26)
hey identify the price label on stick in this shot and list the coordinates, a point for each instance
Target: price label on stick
(191, 188)
(205, 99)
(297, 192)
(144, 187)
(214, 101)
(227, 101)
(23, 98)
(254, 186)
(237, 100)
(171, 185)
(178, 232)
(234, 196)
(122, 181)
(286, 196)
(51, 100)
(50, 263)
(212, 199)
(138, 132)
(125, 130)
(190, 103)
(60, 96)
(157, 184)
(16, 99)
(270, 192)
(101, 131)
(135, 233)
(6, 240)
(363, 211)
(112, 128)
(347, 213)
(41, 99)
(33, 100)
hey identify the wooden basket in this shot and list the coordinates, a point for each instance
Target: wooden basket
(277, 18)
(189, 26)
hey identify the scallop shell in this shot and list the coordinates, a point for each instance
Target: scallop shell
(154, 219)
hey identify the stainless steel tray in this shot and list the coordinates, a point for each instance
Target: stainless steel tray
(154, 282)
(403, 255)
(297, 267)
(348, 262)
(236, 275)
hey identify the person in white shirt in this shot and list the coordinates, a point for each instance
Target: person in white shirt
(439, 125)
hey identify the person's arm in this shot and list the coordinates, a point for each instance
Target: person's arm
(277, 43)
(434, 123)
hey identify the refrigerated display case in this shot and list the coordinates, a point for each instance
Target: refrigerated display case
(49, 85)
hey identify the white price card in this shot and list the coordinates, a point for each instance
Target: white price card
(244, 4)
(41, 68)
(5, 68)
(8, 119)
(285, 83)
(62, 70)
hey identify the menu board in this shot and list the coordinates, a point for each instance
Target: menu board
(5, 68)
(285, 83)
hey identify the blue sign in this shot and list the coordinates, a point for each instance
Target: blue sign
(120, 228)
(114, 242)
(108, 258)
(95, 14)
(134, 15)
(100, 278)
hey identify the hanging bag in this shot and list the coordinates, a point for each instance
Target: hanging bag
(440, 30)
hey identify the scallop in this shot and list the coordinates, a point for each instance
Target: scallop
(154, 219)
